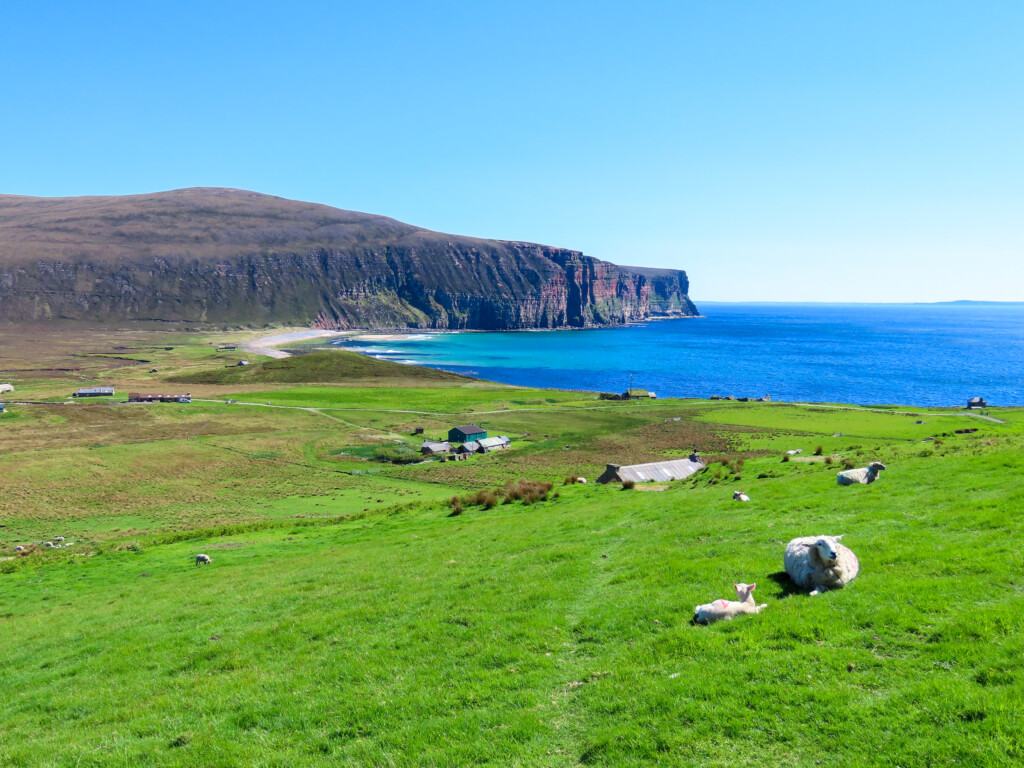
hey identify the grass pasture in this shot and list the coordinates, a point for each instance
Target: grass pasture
(347, 619)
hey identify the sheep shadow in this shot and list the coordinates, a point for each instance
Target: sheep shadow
(788, 587)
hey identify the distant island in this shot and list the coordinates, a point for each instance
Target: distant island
(227, 256)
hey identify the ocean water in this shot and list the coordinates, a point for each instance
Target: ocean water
(928, 355)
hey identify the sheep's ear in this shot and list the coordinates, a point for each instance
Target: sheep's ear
(805, 544)
(753, 587)
(840, 536)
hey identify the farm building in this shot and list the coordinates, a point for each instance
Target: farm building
(976, 402)
(430, 448)
(94, 392)
(226, 347)
(6, 388)
(676, 469)
(1, 407)
(466, 434)
(137, 397)
(485, 445)
(637, 394)
(241, 363)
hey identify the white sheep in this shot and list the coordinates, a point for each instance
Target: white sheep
(59, 538)
(740, 496)
(864, 475)
(726, 609)
(48, 544)
(19, 548)
(581, 480)
(203, 559)
(795, 452)
(820, 563)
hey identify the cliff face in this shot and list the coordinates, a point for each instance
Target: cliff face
(226, 256)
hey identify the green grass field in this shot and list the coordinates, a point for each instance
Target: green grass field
(347, 619)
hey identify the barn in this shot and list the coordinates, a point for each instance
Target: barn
(466, 433)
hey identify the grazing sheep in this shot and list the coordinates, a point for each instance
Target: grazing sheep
(795, 452)
(726, 609)
(740, 496)
(203, 559)
(864, 475)
(820, 563)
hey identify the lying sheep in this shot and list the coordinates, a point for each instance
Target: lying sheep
(19, 548)
(581, 480)
(726, 609)
(59, 538)
(795, 452)
(48, 544)
(203, 559)
(864, 475)
(740, 496)
(820, 563)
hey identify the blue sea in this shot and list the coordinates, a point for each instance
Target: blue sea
(909, 354)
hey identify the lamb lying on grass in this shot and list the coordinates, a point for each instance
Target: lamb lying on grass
(864, 475)
(740, 496)
(203, 559)
(726, 609)
(820, 563)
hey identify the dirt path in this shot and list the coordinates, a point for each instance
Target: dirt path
(969, 414)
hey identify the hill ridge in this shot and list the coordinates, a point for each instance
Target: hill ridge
(221, 255)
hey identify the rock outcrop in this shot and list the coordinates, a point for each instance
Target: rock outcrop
(234, 257)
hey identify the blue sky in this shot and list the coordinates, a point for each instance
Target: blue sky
(834, 151)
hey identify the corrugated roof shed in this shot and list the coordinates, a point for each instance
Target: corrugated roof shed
(490, 443)
(662, 471)
(432, 447)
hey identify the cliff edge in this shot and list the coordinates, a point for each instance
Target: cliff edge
(236, 257)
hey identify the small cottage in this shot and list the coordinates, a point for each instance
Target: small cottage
(976, 402)
(489, 444)
(430, 448)
(94, 392)
(466, 433)
(637, 394)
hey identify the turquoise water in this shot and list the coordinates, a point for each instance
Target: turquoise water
(932, 355)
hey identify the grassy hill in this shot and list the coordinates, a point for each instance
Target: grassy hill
(347, 619)
(333, 366)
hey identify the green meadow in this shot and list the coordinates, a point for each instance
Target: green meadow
(350, 618)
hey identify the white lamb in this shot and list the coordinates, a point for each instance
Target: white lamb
(795, 452)
(726, 609)
(203, 559)
(740, 496)
(864, 475)
(820, 563)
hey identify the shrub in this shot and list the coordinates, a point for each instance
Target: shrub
(628, 485)
(828, 459)
(848, 463)
(785, 457)
(527, 491)
(456, 504)
(400, 453)
(937, 441)
(819, 450)
(569, 480)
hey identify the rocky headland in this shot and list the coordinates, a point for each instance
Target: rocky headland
(226, 256)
